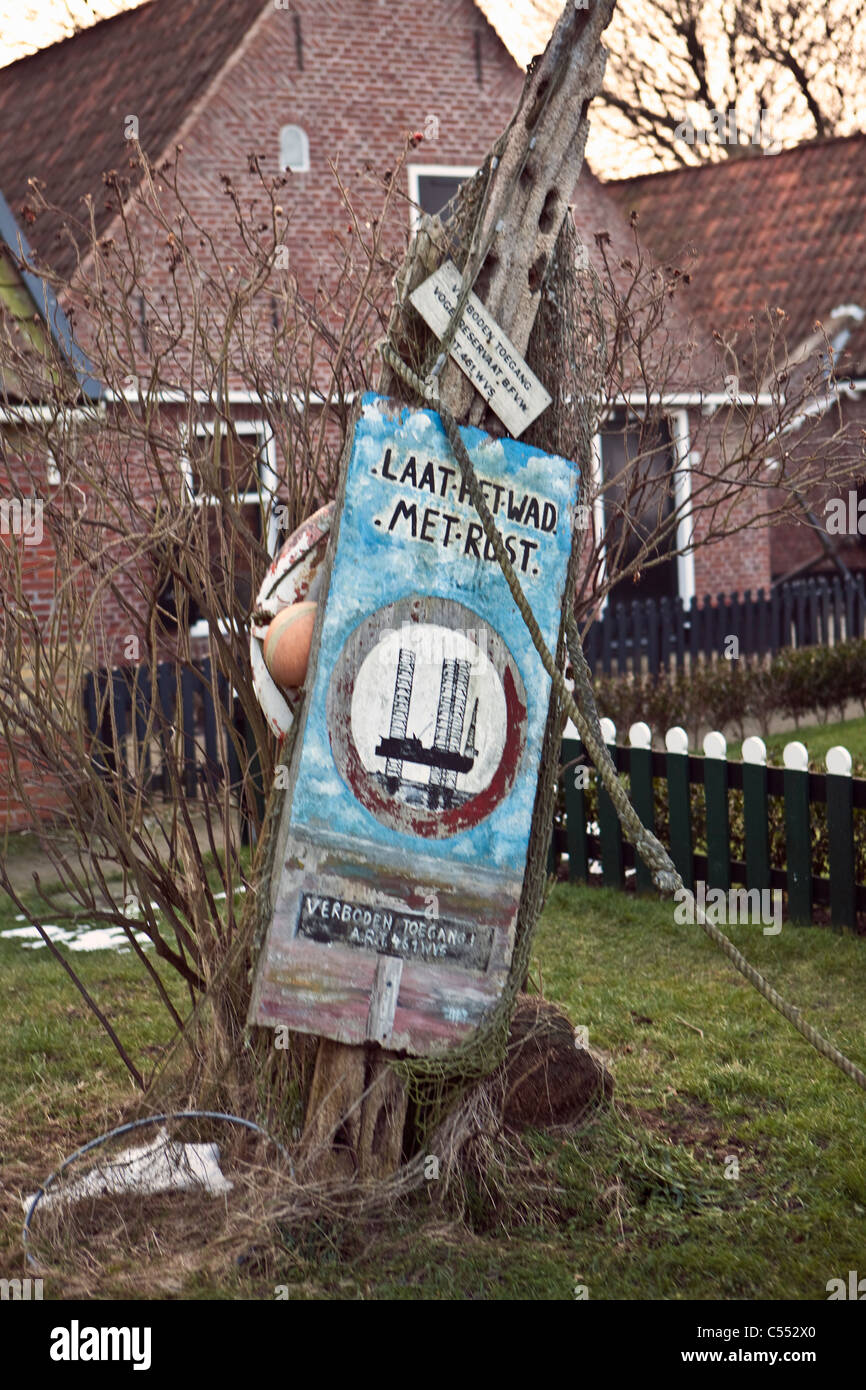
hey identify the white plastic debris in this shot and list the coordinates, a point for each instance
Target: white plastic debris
(163, 1166)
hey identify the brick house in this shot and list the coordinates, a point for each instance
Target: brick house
(300, 85)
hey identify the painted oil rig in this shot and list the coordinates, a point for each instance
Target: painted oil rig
(444, 757)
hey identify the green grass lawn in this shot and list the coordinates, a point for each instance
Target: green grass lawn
(643, 1204)
(851, 733)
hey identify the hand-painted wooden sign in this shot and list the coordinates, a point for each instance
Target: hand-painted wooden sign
(482, 351)
(405, 827)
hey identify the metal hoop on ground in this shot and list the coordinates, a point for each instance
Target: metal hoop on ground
(127, 1129)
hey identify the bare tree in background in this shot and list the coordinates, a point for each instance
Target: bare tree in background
(27, 28)
(687, 62)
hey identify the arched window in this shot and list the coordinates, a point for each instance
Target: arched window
(294, 149)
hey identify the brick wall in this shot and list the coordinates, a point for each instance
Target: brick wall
(740, 559)
(371, 73)
(796, 542)
(357, 76)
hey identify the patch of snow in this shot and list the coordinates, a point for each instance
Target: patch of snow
(81, 937)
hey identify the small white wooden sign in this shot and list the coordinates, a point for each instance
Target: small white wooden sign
(482, 351)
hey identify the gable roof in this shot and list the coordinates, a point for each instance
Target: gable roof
(62, 109)
(681, 355)
(784, 230)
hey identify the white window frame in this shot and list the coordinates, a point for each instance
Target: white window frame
(598, 509)
(437, 171)
(680, 437)
(267, 453)
(681, 441)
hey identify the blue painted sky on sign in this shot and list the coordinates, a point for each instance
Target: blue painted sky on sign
(533, 495)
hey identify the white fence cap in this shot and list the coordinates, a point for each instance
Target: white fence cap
(608, 730)
(839, 761)
(796, 756)
(677, 740)
(755, 751)
(640, 735)
(715, 745)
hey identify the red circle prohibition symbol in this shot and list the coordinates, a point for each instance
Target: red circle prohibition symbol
(433, 810)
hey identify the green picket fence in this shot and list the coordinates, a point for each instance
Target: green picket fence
(596, 852)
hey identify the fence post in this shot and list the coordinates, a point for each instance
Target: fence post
(665, 635)
(652, 638)
(622, 640)
(748, 644)
(93, 716)
(606, 638)
(637, 635)
(119, 709)
(825, 638)
(776, 622)
(679, 804)
(798, 833)
(609, 828)
(838, 623)
(253, 792)
(695, 618)
(718, 824)
(575, 807)
(190, 771)
(142, 695)
(765, 644)
(211, 742)
(166, 693)
(840, 834)
(641, 772)
(851, 626)
(680, 622)
(755, 814)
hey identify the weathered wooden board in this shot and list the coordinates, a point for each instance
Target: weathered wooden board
(406, 822)
(482, 350)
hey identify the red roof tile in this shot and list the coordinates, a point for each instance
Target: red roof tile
(785, 230)
(62, 109)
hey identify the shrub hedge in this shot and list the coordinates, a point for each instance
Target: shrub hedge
(797, 683)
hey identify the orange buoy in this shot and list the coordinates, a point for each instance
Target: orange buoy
(286, 647)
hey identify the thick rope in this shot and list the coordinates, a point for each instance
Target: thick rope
(584, 715)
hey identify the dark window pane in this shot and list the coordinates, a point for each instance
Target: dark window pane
(436, 190)
(226, 465)
(237, 554)
(638, 505)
